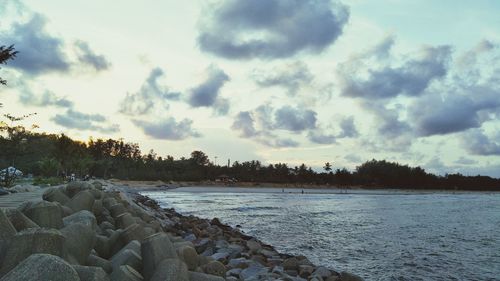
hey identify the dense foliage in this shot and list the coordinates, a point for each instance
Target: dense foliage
(51, 155)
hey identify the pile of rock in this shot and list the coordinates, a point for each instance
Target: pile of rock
(84, 231)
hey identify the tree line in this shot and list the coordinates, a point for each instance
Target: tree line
(51, 155)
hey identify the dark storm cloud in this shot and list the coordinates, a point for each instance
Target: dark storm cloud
(47, 98)
(456, 111)
(87, 56)
(295, 119)
(410, 79)
(168, 129)
(271, 28)
(317, 136)
(150, 95)
(39, 51)
(72, 119)
(348, 128)
(477, 143)
(206, 94)
(291, 77)
(244, 123)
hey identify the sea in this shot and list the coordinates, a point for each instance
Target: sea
(376, 234)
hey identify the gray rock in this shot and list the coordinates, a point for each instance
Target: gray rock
(97, 208)
(84, 217)
(94, 260)
(254, 246)
(91, 273)
(220, 256)
(171, 270)
(102, 246)
(117, 209)
(44, 213)
(252, 272)
(67, 211)
(215, 268)
(322, 271)
(19, 220)
(106, 225)
(124, 220)
(189, 256)
(154, 249)
(83, 200)
(127, 257)
(108, 202)
(7, 231)
(125, 273)
(32, 241)
(133, 232)
(346, 276)
(75, 187)
(133, 245)
(234, 272)
(55, 194)
(197, 276)
(291, 263)
(80, 240)
(183, 244)
(42, 267)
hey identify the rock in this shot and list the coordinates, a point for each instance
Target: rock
(24, 188)
(215, 268)
(125, 273)
(44, 213)
(74, 187)
(102, 246)
(197, 276)
(108, 202)
(234, 272)
(201, 245)
(90, 273)
(3, 192)
(127, 257)
(346, 276)
(83, 200)
(133, 245)
(254, 271)
(183, 244)
(42, 267)
(94, 260)
(7, 232)
(117, 209)
(55, 195)
(305, 270)
(84, 217)
(97, 185)
(80, 240)
(254, 246)
(220, 256)
(124, 220)
(67, 211)
(32, 241)
(322, 271)
(171, 270)
(154, 249)
(291, 263)
(97, 208)
(189, 256)
(239, 263)
(19, 220)
(106, 225)
(133, 232)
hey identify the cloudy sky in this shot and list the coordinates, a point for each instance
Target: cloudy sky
(292, 81)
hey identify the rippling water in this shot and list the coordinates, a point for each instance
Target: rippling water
(379, 236)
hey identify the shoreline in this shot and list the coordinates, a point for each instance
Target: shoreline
(312, 188)
(102, 231)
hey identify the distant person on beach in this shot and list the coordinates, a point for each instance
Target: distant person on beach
(302, 191)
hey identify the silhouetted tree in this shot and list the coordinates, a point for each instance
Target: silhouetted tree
(6, 54)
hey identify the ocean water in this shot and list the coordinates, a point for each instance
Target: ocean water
(380, 235)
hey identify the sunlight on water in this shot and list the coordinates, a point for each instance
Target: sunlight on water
(392, 236)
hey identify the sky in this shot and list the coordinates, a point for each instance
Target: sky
(294, 81)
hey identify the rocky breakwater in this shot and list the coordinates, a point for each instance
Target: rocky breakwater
(84, 231)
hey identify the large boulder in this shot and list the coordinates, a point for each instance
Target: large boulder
(32, 241)
(156, 248)
(7, 231)
(215, 268)
(75, 187)
(84, 217)
(94, 260)
(83, 200)
(127, 257)
(133, 232)
(55, 194)
(42, 267)
(19, 220)
(91, 273)
(189, 256)
(44, 213)
(171, 270)
(80, 240)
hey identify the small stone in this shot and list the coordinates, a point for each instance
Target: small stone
(291, 263)
(215, 268)
(197, 276)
